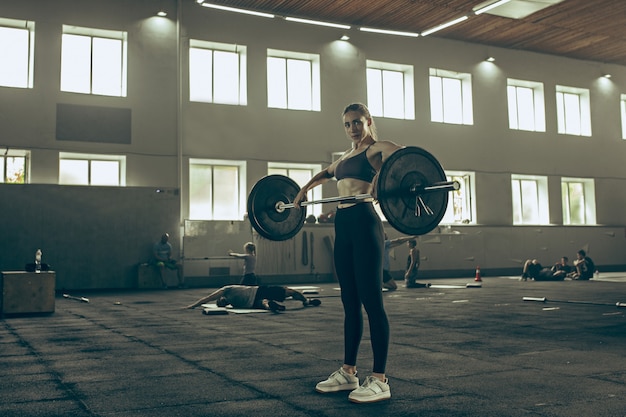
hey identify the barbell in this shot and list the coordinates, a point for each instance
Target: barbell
(412, 191)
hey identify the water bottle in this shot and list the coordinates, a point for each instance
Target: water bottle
(38, 261)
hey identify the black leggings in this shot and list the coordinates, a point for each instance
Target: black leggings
(359, 246)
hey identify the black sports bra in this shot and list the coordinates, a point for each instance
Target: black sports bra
(357, 167)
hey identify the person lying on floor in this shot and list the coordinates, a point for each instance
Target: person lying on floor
(264, 297)
(533, 270)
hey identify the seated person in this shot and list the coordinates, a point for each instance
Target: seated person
(561, 269)
(531, 270)
(584, 266)
(251, 296)
(412, 266)
(162, 252)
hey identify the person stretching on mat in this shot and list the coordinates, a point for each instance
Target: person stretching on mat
(251, 296)
(249, 263)
(358, 255)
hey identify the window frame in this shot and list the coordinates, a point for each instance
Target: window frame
(273, 81)
(542, 207)
(314, 194)
(242, 79)
(241, 183)
(90, 158)
(465, 93)
(584, 111)
(376, 99)
(29, 27)
(94, 33)
(538, 111)
(15, 153)
(589, 201)
(468, 188)
(623, 114)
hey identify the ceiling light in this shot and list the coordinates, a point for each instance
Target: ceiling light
(316, 22)
(162, 13)
(390, 32)
(232, 9)
(607, 75)
(443, 26)
(490, 6)
(345, 38)
(490, 59)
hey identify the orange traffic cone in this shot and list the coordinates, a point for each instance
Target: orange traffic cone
(478, 278)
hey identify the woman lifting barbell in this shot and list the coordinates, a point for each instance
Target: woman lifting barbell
(358, 254)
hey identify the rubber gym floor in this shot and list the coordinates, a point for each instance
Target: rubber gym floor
(454, 351)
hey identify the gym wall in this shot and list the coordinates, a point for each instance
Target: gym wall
(165, 132)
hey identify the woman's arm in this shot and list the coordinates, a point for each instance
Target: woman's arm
(211, 297)
(382, 150)
(386, 148)
(318, 179)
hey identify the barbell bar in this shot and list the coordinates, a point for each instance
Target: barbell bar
(414, 190)
(411, 182)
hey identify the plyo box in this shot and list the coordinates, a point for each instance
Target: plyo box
(27, 292)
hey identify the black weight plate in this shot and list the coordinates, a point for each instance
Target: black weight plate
(262, 213)
(406, 168)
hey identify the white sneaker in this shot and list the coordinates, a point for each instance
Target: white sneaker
(372, 390)
(338, 381)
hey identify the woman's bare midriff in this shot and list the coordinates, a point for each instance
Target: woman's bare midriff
(349, 187)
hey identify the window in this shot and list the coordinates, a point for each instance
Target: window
(526, 105)
(93, 61)
(217, 189)
(530, 199)
(14, 166)
(578, 197)
(86, 169)
(623, 112)
(301, 174)
(17, 45)
(390, 90)
(451, 97)
(293, 80)
(573, 111)
(217, 73)
(461, 204)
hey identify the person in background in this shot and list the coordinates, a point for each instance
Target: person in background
(249, 263)
(412, 266)
(388, 281)
(252, 296)
(358, 255)
(531, 269)
(584, 266)
(162, 252)
(561, 269)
